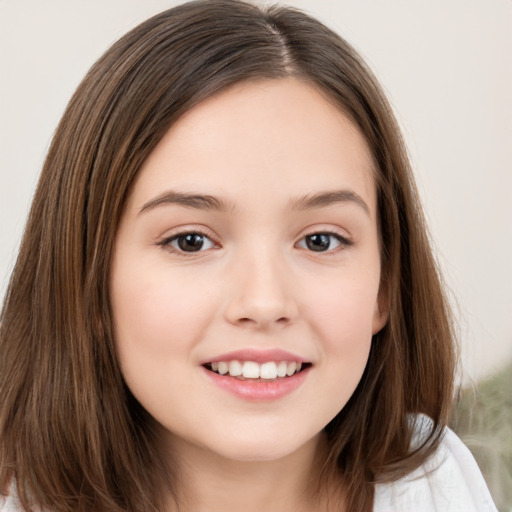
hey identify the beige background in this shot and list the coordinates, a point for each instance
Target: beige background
(445, 64)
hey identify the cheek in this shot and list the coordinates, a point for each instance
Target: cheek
(156, 314)
(343, 314)
(341, 318)
(156, 321)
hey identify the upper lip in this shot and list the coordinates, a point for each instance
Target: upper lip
(258, 356)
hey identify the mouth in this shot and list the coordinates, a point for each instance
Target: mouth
(254, 371)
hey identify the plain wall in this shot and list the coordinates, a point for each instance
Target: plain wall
(445, 64)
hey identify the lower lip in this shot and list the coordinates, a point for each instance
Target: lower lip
(258, 390)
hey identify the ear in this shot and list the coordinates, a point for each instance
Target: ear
(381, 311)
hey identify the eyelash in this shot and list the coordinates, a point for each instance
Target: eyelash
(166, 243)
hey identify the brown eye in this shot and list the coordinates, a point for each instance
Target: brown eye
(323, 242)
(318, 242)
(188, 242)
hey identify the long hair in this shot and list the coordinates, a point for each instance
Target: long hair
(73, 438)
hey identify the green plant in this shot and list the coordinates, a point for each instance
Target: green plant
(483, 419)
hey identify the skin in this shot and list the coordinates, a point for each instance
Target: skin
(263, 148)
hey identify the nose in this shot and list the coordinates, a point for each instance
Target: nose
(261, 293)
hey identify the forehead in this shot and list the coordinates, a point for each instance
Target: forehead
(271, 137)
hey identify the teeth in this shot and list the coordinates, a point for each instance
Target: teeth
(252, 370)
(281, 368)
(290, 370)
(268, 370)
(235, 368)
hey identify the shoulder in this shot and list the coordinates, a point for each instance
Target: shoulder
(449, 481)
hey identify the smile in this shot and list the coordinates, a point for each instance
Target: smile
(262, 380)
(270, 370)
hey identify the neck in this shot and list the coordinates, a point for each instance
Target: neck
(212, 483)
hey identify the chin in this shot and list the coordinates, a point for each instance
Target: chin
(261, 448)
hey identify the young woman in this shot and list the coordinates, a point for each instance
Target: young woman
(225, 298)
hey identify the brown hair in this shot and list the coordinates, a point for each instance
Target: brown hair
(72, 436)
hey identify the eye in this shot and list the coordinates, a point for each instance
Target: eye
(323, 242)
(188, 242)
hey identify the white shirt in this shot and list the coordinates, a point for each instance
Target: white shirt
(449, 481)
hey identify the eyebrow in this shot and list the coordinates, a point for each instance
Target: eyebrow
(197, 201)
(212, 203)
(324, 199)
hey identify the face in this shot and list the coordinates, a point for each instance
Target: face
(245, 278)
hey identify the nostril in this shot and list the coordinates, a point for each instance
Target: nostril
(250, 321)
